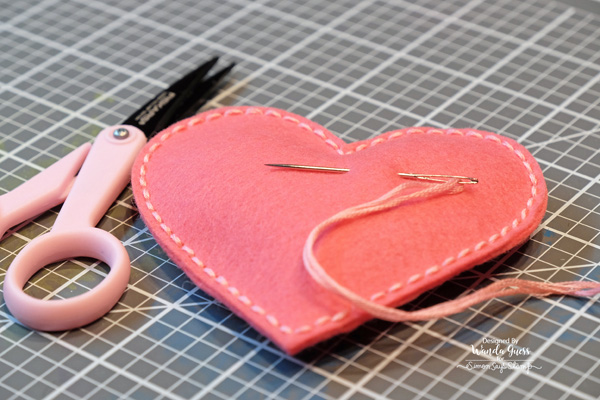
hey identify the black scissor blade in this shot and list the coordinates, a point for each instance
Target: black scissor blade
(206, 90)
(158, 112)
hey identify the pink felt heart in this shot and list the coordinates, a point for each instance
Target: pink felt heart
(237, 227)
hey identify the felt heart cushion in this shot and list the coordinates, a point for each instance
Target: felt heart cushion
(237, 227)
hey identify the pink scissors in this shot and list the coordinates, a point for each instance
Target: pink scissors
(104, 171)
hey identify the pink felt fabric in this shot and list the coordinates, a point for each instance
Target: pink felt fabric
(237, 227)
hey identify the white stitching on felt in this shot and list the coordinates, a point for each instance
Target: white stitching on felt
(180, 127)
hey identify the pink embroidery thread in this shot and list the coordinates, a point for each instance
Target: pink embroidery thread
(180, 127)
(393, 199)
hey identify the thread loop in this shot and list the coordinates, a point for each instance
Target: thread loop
(395, 198)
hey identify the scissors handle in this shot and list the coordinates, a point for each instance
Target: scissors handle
(104, 174)
(73, 312)
(102, 177)
(47, 189)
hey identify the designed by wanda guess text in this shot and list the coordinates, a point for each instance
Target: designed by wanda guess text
(500, 355)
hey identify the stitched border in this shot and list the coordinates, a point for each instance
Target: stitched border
(182, 126)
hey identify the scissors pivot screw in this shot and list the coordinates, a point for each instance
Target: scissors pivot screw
(121, 133)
